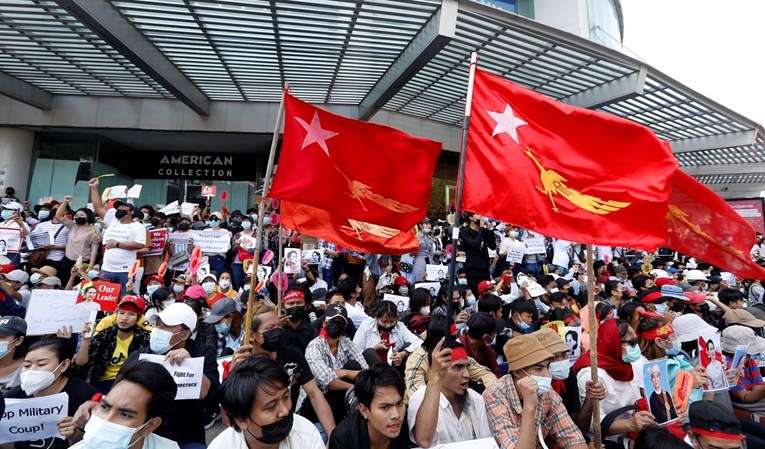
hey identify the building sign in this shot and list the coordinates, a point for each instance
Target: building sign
(179, 165)
(751, 209)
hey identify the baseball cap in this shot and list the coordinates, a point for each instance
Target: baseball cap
(195, 291)
(485, 285)
(154, 277)
(695, 297)
(620, 270)
(335, 310)
(690, 327)
(661, 282)
(13, 205)
(562, 282)
(175, 314)
(52, 281)
(709, 418)
(742, 317)
(733, 336)
(11, 325)
(220, 309)
(180, 278)
(673, 291)
(217, 215)
(17, 276)
(209, 275)
(695, 275)
(133, 302)
(551, 340)
(524, 351)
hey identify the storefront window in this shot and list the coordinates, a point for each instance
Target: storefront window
(605, 26)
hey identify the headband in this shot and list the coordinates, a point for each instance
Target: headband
(458, 353)
(294, 294)
(659, 332)
(717, 434)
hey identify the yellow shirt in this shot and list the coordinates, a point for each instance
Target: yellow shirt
(109, 321)
(118, 358)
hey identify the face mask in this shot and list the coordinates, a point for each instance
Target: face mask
(183, 227)
(254, 218)
(224, 283)
(35, 278)
(296, 313)
(403, 291)
(246, 225)
(633, 354)
(209, 287)
(544, 384)
(275, 432)
(168, 303)
(436, 232)
(334, 328)
(514, 234)
(470, 300)
(120, 214)
(102, 434)
(150, 289)
(705, 288)
(523, 326)
(4, 348)
(386, 330)
(745, 305)
(92, 273)
(80, 220)
(178, 289)
(159, 341)
(33, 381)
(155, 222)
(661, 308)
(43, 215)
(678, 307)
(425, 310)
(675, 349)
(560, 370)
(426, 228)
(222, 328)
(213, 223)
(267, 221)
(271, 339)
(247, 287)
(6, 214)
(462, 281)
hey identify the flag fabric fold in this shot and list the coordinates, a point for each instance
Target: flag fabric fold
(701, 224)
(358, 170)
(349, 233)
(563, 171)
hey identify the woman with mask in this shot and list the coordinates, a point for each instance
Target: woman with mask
(217, 261)
(181, 244)
(205, 332)
(84, 240)
(160, 299)
(224, 286)
(459, 315)
(210, 284)
(44, 374)
(153, 283)
(419, 311)
(618, 348)
(13, 348)
(228, 324)
(400, 286)
(244, 243)
(390, 339)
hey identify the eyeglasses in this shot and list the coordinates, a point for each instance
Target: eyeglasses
(632, 343)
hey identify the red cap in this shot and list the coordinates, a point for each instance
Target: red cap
(651, 297)
(400, 280)
(664, 281)
(154, 277)
(485, 285)
(294, 294)
(5, 269)
(602, 279)
(695, 298)
(133, 302)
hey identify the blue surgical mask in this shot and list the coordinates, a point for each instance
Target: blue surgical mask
(544, 383)
(150, 289)
(6, 214)
(633, 354)
(661, 308)
(246, 225)
(675, 349)
(523, 326)
(462, 281)
(4, 348)
(267, 221)
(213, 223)
(103, 434)
(514, 234)
(43, 215)
(470, 300)
(159, 341)
(560, 370)
(222, 328)
(35, 278)
(178, 289)
(92, 273)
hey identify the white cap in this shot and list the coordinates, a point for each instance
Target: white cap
(18, 276)
(695, 275)
(52, 281)
(660, 274)
(175, 314)
(13, 205)
(690, 327)
(734, 336)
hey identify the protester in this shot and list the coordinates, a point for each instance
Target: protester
(475, 241)
(297, 331)
(14, 295)
(712, 426)
(228, 323)
(749, 391)
(217, 260)
(391, 340)
(13, 349)
(479, 338)
(122, 240)
(160, 299)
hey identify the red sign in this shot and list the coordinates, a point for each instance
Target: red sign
(158, 239)
(209, 191)
(105, 294)
(751, 210)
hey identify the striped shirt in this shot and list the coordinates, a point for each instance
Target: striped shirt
(750, 378)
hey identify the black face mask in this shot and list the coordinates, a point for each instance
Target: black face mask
(271, 340)
(80, 220)
(334, 328)
(436, 232)
(120, 213)
(384, 329)
(456, 306)
(184, 226)
(678, 306)
(296, 313)
(275, 432)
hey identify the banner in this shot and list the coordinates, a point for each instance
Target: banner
(187, 375)
(211, 242)
(34, 418)
(10, 240)
(158, 240)
(751, 210)
(435, 272)
(103, 295)
(50, 310)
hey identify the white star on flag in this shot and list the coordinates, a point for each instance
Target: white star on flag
(507, 122)
(315, 133)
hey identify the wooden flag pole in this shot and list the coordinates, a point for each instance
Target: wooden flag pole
(593, 343)
(261, 213)
(279, 269)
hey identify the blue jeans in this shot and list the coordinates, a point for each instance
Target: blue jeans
(328, 274)
(217, 264)
(237, 275)
(117, 278)
(563, 270)
(194, 445)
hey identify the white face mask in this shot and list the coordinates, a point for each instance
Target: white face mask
(102, 434)
(33, 381)
(92, 273)
(209, 287)
(425, 310)
(560, 370)
(224, 283)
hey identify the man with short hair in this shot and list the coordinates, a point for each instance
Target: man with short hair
(481, 334)
(298, 331)
(713, 426)
(136, 402)
(351, 292)
(122, 239)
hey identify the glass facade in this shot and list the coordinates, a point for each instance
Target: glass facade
(605, 22)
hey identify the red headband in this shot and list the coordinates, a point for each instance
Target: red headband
(660, 332)
(458, 353)
(653, 296)
(714, 434)
(294, 294)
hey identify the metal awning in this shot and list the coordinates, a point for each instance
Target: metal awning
(407, 56)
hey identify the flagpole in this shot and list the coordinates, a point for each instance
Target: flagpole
(593, 342)
(261, 213)
(279, 268)
(460, 183)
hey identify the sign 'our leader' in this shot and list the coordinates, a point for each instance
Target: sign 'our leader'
(189, 165)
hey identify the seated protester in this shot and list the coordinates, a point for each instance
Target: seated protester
(742, 317)
(334, 359)
(101, 356)
(44, 374)
(265, 340)
(481, 334)
(335, 297)
(160, 299)
(446, 410)
(491, 304)
(49, 283)
(419, 311)
(521, 404)
(209, 284)
(380, 421)
(171, 337)
(351, 292)
(153, 283)
(14, 293)
(384, 333)
(418, 365)
(257, 400)
(400, 286)
(228, 324)
(564, 380)
(458, 303)
(13, 348)
(713, 426)
(205, 333)
(658, 437)
(132, 410)
(617, 349)
(224, 285)
(749, 392)
(298, 331)
(522, 315)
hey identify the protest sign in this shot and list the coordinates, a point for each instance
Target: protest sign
(37, 240)
(49, 310)
(534, 288)
(292, 260)
(33, 419)
(187, 209)
(432, 287)
(658, 392)
(313, 256)
(436, 272)
(535, 245)
(515, 253)
(157, 241)
(187, 375)
(401, 302)
(135, 191)
(104, 295)
(712, 359)
(572, 338)
(209, 191)
(170, 209)
(211, 242)
(10, 240)
(738, 359)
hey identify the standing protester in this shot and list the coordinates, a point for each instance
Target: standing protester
(48, 222)
(122, 239)
(84, 241)
(475, 241)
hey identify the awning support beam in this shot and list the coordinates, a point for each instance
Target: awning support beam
(624, 88)
(24, 92)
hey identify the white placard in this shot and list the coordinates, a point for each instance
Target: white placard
(10, 240)
(483, 443)
(171, 209)
(291, 260)
(573, 339)
(116, 192)
(135, 191)
(534, 288)
(49, 310)
(187, 375)
(432, 287)
(313, 256)
(515, 254)
(436, 272)
(34, 418)
(211, 242)
(401, 302)
(188, 208)
(37, 240)
(535, 245)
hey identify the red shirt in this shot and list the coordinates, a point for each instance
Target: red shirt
(485, 355)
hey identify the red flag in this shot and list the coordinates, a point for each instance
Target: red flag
(563, 171)
(352, 234)
(701, 224)
(363, 171)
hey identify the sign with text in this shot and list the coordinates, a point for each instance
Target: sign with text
(751, 210)
(401, 302)
(209, 191)
(34, 418)
(535, 245)
(435, 272)
(50, 310)
(10, 240)
(157, 241)
(515, 253)
(187, 375)
(211, 242)
(105, 295)
(186, 165)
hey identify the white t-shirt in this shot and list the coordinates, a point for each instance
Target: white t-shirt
(302, 436)
(471, 425)
(61, 238)
(150, 442)
(92, 306)
(118, 260)
(560, 253)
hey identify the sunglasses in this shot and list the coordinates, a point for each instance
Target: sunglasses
(632, 343)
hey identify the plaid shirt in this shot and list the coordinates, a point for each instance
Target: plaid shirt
(327, 246)
(503, 408)
(320, 359)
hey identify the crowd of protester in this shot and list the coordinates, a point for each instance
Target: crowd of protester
(334, 364)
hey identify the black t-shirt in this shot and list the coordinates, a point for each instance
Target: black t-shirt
(352, 433)
(184, 420)
(79, 392)
(300, 337)
(570, 397)
(297, 369)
